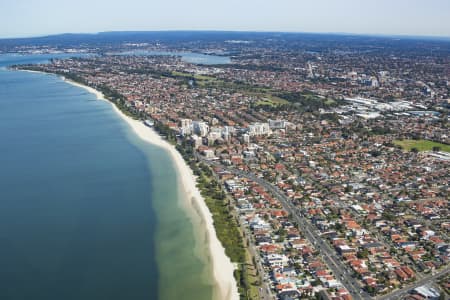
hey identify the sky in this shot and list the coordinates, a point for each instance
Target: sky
(24, 18)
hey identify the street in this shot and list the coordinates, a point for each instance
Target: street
(329, 256)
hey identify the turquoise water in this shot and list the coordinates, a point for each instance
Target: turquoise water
(87, 210)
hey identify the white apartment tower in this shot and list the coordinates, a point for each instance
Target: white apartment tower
(256, 129)
(186, 127)
(200, 128)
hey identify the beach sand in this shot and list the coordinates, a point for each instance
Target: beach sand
(225, 283)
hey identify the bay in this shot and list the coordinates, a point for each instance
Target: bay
(190, 57)
(87, 210)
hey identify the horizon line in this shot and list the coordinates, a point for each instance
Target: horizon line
(380, 35)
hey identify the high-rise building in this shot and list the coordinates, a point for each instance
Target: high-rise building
(200, 128)
(256, 129)
(186, 127)
(277, 124)
(246, 138)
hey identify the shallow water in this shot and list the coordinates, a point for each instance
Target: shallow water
(87, 210)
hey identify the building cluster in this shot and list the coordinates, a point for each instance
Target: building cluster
(294, 268)
(382, 210)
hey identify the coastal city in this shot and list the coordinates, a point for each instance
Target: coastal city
(324, 161)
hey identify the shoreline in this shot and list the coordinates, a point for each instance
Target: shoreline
(225, 285)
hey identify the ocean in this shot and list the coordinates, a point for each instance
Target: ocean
(87, 209)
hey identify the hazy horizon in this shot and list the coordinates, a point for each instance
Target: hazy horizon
(438, 37)
(386, 18)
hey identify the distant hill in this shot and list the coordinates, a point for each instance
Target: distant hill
(114, 37)
(295, 40)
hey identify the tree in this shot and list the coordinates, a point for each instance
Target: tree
(436, 149)
(363, 254)
(371, 290)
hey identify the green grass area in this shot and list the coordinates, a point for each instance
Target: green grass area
(205, 77)
(267, 97)
(227, 229)
(421, 145)
(271, 100)
(330, 101)
(181, 74)
(252, 278)
(201, 79)
(302, 101)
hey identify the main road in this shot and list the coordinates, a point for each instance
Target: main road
(398, 294)
(265, 293)
(328, 254)
(339, 269)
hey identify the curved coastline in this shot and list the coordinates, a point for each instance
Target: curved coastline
(222, 268)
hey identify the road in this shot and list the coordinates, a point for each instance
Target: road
(402, 292)
(265, 293)
(340, 270)
(329, 255)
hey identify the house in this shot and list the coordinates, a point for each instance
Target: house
(402, 276)
(344, 249)
(279, 260)
(298, 243)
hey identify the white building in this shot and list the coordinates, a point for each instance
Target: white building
(246, 138)
(277, 260)
(228, 131)
(200, 128)
(186, 127)
(209, 154)
(197, 141)
(427, 292)
(214, 136)
(256, 129)
(277, 124)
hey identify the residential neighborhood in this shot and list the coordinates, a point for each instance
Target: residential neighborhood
(337, 162)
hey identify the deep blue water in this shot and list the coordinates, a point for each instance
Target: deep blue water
(76, 216)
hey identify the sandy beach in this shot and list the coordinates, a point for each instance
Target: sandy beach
(226, 286)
